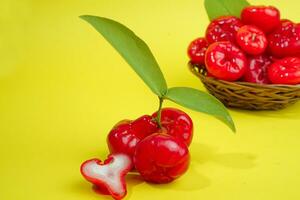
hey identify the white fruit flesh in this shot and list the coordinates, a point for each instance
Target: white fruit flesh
(109, 173)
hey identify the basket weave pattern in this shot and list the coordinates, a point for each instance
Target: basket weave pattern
(248, 96)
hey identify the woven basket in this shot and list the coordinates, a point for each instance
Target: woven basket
(248, 96)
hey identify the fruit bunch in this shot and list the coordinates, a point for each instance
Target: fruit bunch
(158, 154)
(259, 47)
(155, 146)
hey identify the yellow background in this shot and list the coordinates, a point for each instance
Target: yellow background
(63, 87)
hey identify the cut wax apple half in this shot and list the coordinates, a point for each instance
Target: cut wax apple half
(108, 175)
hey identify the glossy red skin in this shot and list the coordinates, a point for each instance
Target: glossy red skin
(177, 123)
(252, 40)
(256, 72)
(273, 58)
(285, 71)
(100, 186)
(161, 158)
(266, 18)
(209, 75)
(126, 134)
(124, 137)
(196, 50)
(223, 29)
(285, 40)
(225, 61)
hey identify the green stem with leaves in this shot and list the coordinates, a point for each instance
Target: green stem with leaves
(139, 56)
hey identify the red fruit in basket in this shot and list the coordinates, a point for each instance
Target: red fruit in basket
(256, 72)
(273, 58)
(285, 40)
(177, 123)
(161, 158)
(285, 71)
(266, 18)
(124, 137)
(223, 29)
(252, 40)
(225, 61)
(108, 176)
(196, 50)
(209, 75)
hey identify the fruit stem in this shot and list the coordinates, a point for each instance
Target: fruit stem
(161, 100)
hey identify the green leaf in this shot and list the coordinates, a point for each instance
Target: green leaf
(201, 102)
(134, 50)
(217, 8)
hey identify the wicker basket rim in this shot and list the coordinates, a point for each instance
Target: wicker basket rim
(239, 83)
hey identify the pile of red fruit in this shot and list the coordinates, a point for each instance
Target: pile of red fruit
(158, 152)
(259, 48)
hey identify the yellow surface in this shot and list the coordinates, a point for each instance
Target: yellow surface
(63, 87)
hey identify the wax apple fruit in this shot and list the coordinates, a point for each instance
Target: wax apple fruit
(285, 71)
(124, 137)
(161, 158)
(223, 29)
(267, 18)
(108, 175)
(256, 71)
(252, 40)
(225, 61)
(177, 123)
(155, 146)
(285, 40)
(196, 50)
